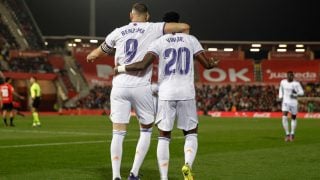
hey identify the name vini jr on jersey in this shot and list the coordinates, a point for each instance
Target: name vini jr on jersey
(132, 30)
(174, 39)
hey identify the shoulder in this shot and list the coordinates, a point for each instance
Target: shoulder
(155, 23)
(296, 82)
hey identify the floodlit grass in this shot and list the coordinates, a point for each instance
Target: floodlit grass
(77, 147)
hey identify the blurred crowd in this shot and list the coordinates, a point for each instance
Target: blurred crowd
(259, 98)
(30, 65)
(232, 98)
(98, 98)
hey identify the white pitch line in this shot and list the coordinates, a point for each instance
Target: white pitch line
(51, 144)
(70, 143)
(51, 132)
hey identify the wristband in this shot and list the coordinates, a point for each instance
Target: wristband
(122, 68)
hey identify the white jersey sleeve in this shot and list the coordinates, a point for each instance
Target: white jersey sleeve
(196, 45)
(298, 88)
(281, 90)
(111, 38)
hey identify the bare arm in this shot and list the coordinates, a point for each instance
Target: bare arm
(18, 95)
(99, 51)
(176, 27)
(207, 63)
(138, 66)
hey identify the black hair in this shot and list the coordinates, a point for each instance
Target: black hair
(171, 17)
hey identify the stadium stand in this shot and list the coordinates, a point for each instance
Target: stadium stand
(24, 20)
(246, 80)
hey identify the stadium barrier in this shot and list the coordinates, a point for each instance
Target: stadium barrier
(213, 114)
(260, 114)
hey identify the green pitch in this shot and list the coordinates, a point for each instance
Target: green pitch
(77, 147)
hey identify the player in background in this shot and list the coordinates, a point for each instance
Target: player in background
(7, 93)
(132, 90)
(176, 53)
(35, 92)
(289, 90)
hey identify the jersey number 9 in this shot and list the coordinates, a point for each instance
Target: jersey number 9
(130, 50)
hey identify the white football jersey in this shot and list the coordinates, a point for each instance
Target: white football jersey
(286, 90)
(131, 42)
(176, 67)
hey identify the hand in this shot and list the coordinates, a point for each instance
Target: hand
(21, 97)
(213, 62)
(294, 96)
(115, 70)
(91, 58)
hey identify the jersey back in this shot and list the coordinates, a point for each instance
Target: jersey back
(131, 43)
(176, 65)
(6, 93)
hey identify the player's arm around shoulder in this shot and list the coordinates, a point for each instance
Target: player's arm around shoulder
(138, 66)
(176, 27)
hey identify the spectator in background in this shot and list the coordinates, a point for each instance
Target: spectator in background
(310, 107)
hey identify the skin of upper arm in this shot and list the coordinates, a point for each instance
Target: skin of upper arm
(176, 27)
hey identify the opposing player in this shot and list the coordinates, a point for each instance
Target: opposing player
(7, 93)
(132, 90)
(289, 90)
(35, 92)
(176, 53)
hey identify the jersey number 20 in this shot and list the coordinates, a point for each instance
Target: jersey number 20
(179, 61)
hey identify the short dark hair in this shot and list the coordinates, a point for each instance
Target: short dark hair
(140, 8)
(290, 72)
(171, 17)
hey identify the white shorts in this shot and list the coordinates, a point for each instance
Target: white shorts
(186, 112)
(292, 108)
(138, 98)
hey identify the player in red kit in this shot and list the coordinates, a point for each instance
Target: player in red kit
(7, 92)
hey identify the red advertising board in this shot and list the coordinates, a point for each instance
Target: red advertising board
(231, 71)
(27, 54)
(304, 71)
(274, 55)
(226, 55)
(259, 114)
(100, 71)
(22, 75)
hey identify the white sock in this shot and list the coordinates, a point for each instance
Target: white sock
(285, 124)
(116, 152)
(163, 155)
(190, 148)
(293, 125)
(141, 150)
